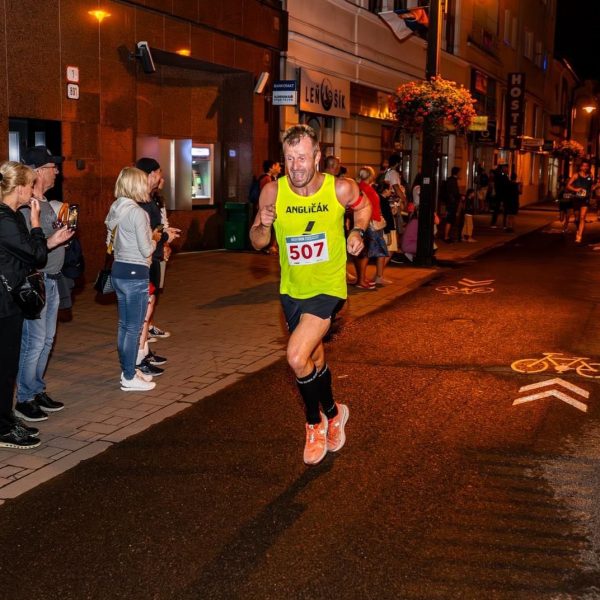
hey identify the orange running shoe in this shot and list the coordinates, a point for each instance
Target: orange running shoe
(336, 436)
(315, 448)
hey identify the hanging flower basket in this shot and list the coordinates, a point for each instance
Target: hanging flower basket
(448, 106)
(569, 149)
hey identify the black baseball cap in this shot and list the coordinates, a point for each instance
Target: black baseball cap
(38, 156)
(147, 165)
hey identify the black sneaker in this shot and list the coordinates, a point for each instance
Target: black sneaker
(18, 439)
(31, 431)
(30, 411)
(147, 369)
(157, 332)
(154, 359)
(44, 401)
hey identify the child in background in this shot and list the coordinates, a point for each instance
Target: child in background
(469, 204)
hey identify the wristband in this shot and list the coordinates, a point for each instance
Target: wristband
(360, 231)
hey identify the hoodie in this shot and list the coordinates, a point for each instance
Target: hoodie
(133, 242)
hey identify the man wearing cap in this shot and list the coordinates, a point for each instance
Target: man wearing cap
(37, 339)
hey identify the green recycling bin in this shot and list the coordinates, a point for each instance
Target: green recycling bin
(236, 225)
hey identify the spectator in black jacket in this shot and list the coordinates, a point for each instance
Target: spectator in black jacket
(451, 197)
(20, 252)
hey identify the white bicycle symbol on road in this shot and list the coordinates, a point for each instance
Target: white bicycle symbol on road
(561, 364)
(452, 290)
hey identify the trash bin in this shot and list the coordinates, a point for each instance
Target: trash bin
(236, 225)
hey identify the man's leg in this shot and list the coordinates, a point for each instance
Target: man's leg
(51, 315)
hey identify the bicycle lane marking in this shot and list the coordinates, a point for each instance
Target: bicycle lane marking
(554, 393)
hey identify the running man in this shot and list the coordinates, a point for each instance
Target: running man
(307, 210)
(582, 185)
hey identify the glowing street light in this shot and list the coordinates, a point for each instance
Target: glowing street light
(99, 15)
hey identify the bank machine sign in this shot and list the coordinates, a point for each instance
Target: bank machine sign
(323, 94)
(285, 93)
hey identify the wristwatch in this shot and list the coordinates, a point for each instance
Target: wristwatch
(360, 231)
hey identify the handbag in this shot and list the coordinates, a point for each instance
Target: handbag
(103, 283)
(377, 225)
(29, 295)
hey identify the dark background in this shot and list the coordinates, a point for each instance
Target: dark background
(577, 33)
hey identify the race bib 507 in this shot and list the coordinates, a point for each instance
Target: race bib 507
(307, 249)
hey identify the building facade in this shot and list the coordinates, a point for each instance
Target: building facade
(344, 44)
(73, 81)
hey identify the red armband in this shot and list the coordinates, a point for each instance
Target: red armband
(356, 202)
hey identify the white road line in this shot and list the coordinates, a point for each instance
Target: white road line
(549, 393)
(556, 381)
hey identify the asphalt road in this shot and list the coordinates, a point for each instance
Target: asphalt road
(445, 489)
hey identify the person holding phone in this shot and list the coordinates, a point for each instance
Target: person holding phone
(33, 403)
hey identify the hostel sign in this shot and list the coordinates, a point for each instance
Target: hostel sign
(323, 94)
(515, 108)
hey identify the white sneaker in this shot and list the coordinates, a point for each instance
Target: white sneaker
(137, 384)
(143, 376)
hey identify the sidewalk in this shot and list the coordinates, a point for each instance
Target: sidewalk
(223, 312)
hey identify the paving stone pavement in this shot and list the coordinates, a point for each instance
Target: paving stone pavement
(223, 312)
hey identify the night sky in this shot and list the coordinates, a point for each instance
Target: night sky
(578, 36)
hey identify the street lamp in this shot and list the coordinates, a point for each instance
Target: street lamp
(424, 256)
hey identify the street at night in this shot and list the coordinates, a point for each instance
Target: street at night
(445, 489)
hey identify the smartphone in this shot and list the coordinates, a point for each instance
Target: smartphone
(72, 216)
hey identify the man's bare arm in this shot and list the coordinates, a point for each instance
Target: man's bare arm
(260, 232)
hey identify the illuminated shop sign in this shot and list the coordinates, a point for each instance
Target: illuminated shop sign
(515, 108)
(323, 94)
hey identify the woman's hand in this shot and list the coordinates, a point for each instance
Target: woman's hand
(59, 237)
(34, 205)
(173, 232)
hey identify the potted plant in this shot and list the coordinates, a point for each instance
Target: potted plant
(442, 104)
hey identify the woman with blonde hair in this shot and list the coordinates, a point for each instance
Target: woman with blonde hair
(21, 251)
(133, 243)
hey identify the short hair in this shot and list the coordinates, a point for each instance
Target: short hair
(394, 160)
(331, 161)
(132, 183)
(585, 160)
(366, 172)
(294, 134)
(14, 174)
(267, 164)
(455, 170)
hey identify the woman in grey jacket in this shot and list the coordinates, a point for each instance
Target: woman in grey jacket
(133, 244)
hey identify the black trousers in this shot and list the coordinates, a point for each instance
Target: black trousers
(10, 346)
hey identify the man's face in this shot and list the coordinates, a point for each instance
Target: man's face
(301, 162)
(585, 167)
(276, 169)
(46, 175)
(154, 178)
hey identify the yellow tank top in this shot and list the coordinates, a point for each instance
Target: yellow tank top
(312, 246)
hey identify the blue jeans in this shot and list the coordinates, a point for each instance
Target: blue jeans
(132, 300)
(36, 344)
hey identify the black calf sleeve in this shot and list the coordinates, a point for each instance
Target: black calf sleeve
(326, 393)
(316, 389)
(309, 390)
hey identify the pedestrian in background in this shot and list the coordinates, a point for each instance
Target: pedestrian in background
(501, 191)
(469, 211)
(581, 185)
(451, 198)
(21, 251)
(134, 243)
(511, 204)
(33, 403)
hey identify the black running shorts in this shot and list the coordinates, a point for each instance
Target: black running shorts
(322, 306)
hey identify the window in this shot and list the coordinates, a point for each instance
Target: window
(514, 32)
(507, 24)
(528, 48)
(539, 55)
